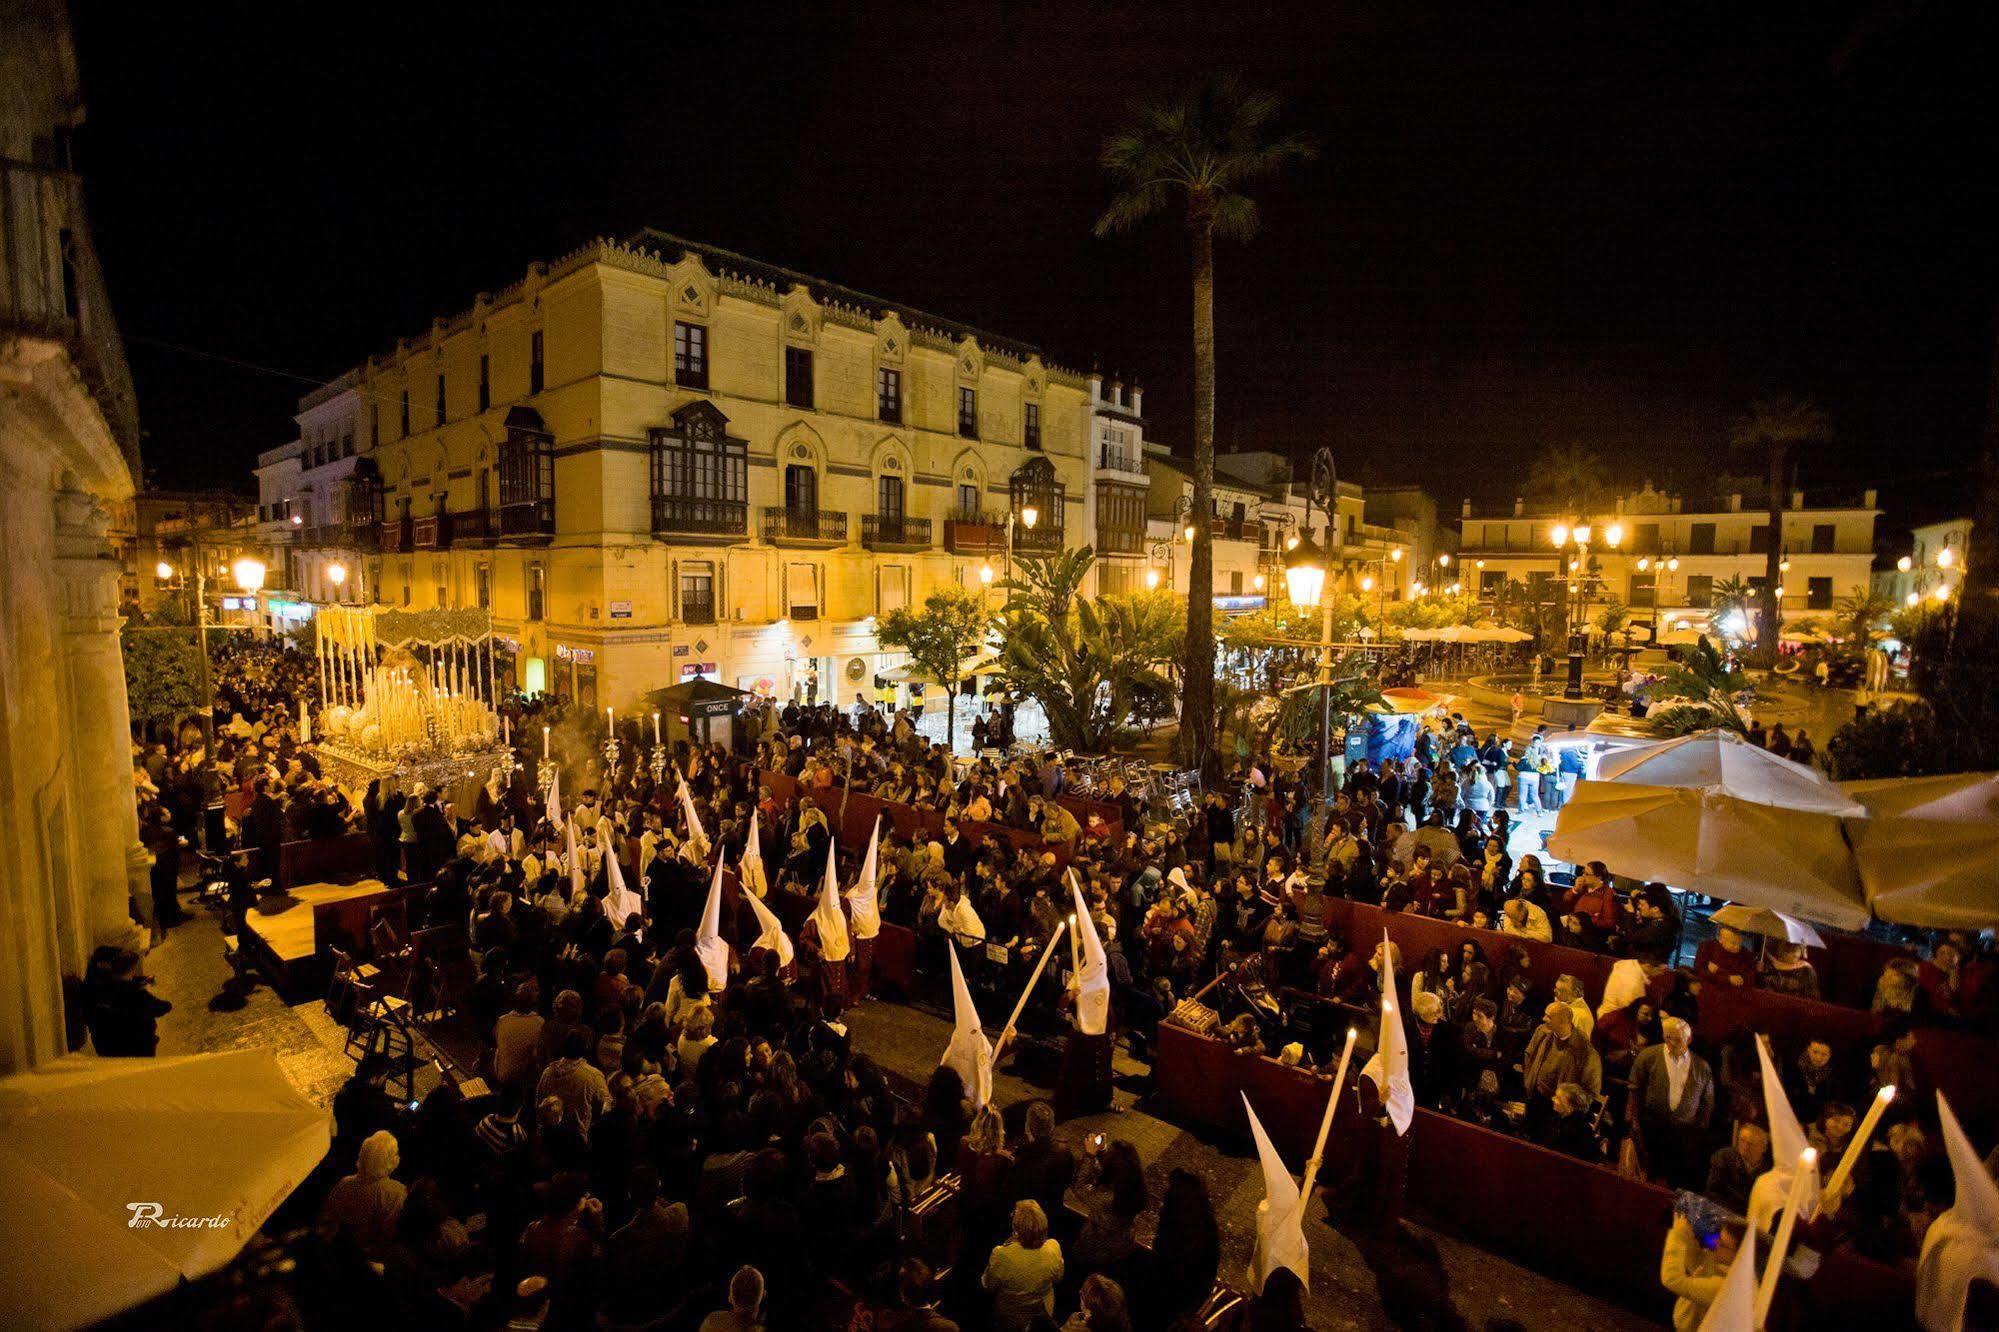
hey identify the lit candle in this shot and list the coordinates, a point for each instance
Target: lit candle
(544, 742)
(506, 730)
(611, 721)
(1830, 1198)
(1800, 1180)
(1326, 1123)
(655, 728)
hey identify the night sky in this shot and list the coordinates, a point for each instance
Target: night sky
(1612, 225)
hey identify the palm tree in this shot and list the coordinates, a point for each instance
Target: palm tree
(1198, 150)
(1771, 429)
(1860, 613)
(1569, 475)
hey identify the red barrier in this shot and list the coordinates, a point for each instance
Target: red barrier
(1419, 936)
(895, 958)
(325, 860)
(1580, 1222)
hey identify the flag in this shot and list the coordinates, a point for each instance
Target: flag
(969, 1052)
(861, 897)
(695, 836)
(709, 944)
(1093, 978)
(620, 901)
(1390, 1065)
(1280, 1217)
(827, 915)
(750, 870)
(1772, 1189)
(575, 861)
(555, 798)
(1962, 1245)
(773, 936)
(1734, 1309)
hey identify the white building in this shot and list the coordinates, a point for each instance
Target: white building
(1672, 551)
(1932, 567)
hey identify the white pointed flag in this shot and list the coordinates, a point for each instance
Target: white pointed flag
(773, 937)
(555, 798)
(832, 922)
(695, 835)
(861, 898)
(1734, 1309)
(1962, 1245)
(709, 945)
(1093, 977)
(1280, 1217)
(1390, 1065)
(1772, 1189)
(620, 902)
(576, 884)
(750, 870)
(969, 1052)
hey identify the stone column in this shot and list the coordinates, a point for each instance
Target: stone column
(112, 863)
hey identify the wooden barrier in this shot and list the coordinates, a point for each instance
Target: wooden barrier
(1578, 1222)
(325, 860)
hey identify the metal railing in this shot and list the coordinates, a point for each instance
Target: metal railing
(785, 524)
(697, 610)
(894, 529)
(1119, 460)
(528, 518)
(699, 517)
(51, 287)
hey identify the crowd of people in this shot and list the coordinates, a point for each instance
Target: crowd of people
(669, 1125)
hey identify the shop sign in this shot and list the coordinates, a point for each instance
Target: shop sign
(621, 610)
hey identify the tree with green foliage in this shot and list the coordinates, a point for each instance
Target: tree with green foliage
(162, 668)
(1193, 154)
(1700, 692)
(1861, 617)
(940, 638)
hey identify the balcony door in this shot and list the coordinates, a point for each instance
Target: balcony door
(801, 491)
(889, 507)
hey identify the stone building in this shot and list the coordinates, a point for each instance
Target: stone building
(654, 459)
(177, 528)
(70, 857)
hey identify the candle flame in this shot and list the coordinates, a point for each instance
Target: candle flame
(1887, 1093)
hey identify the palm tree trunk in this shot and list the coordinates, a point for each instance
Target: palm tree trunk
(1766, 601)
(1979, 597)
(1197, 700)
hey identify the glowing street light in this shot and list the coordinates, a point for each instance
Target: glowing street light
(1644, 563)
(1914, 598)
(1152, 578)
(1367, 583)
(1029, 516)
(1444, 560)
(1784, 565)
(1613, 536)
(986, 573)
(163, 571)
(336, 573)
(1258, 582)
(1559, 534)
(1904, 564)
(1188, 533)
(1942, 594)
(1946, 557)
(1396, 555)
(1291, 542)
(1673, 563)
(1304, 575)
(249, 573)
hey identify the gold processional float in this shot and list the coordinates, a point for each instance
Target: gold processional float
(408, 699)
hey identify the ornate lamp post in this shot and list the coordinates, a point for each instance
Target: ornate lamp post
(1573, 542)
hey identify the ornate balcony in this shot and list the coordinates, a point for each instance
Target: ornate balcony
(894, 531)
(673, 516)
(803, 527)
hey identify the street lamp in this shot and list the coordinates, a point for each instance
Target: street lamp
(1576, 537)
(248, 573)
(1904, 564)
(336, 573)
(163, 571)
(1305, 568)
(1946, 557)
(1029, 515)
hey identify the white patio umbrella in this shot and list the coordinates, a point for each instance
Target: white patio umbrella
(1770, 924)
(120, 1177)
(1929, 852)
(1745, 825)
(1724, 762)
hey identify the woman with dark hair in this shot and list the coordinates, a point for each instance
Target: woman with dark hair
(944, 1112)
(1186, 1252)
(1112, 1182)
